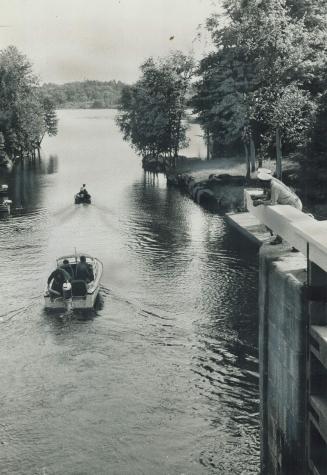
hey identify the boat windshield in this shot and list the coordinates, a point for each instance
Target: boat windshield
(74, 260)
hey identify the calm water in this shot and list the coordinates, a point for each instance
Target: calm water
(162, 377)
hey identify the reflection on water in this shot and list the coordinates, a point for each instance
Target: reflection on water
(25, 184)
(162, 376)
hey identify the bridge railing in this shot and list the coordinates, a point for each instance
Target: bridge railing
(297, 228)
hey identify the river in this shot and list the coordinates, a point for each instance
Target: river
(162, 378)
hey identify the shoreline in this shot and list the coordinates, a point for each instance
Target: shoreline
(217, 185)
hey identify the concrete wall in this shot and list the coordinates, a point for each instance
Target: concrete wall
(282, 353)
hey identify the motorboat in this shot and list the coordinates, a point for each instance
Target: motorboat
(82, 198)
(76, 294)
(5, 206)
(4, 190)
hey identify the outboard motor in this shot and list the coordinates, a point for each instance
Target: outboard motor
(4, 188)
(67, 291)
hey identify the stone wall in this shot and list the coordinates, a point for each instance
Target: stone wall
(282, 354)
(221, 193)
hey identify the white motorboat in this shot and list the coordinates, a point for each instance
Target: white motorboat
(76, 294)
(4, 190)
(5, 206)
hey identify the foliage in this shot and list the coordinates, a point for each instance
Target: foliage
(84, 94)
(24, 118)
(50, 116)
(152, 110)
(314, 161)
(266, 73)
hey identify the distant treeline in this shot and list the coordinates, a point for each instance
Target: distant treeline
(85, 94)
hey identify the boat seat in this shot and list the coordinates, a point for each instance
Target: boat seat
(79, 288)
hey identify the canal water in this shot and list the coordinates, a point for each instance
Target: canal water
(162, 378)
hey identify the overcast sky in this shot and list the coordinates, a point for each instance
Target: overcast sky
(69, 40)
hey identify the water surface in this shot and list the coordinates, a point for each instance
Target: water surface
(162, 377)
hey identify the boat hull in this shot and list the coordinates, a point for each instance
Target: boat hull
(86, 303)
(82, 199)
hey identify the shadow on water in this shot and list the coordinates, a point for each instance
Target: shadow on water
(25, 181)
(175, 237)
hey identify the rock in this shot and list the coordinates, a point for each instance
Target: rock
(195, 190)
(206, 197)
(172, 180)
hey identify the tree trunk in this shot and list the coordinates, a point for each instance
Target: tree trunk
(208, 144)
(247, 161)
(177, 138)
(278, 154)
(252, 155)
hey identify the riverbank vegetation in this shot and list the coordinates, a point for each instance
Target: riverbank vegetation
(26, 113)
(260, 93)
(152, 112)
(84, 94)
(261, 87)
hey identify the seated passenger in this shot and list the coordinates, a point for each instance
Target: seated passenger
(83, 271)
(68, 268)
(83, 191)
(59, 276)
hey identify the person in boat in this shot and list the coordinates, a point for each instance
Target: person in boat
(68, 268)
(83, 191)
(84, 271)
(275, 193)
(59, 276)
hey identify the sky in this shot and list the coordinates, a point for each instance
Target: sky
(73, 40)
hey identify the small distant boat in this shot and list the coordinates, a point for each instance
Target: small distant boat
(5, 207)
(82, 198)
(3, 189)
(77, 294)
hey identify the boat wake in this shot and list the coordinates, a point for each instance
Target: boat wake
(20, 311)
(64, 214)
(137, 306)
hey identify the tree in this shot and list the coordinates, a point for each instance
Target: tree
(260, 64)
(152, 110)
(25, 116)
(314, 162)
(223, 102)
(50, 116)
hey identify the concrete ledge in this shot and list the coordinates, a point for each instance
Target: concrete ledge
(249, 226)
(299, 229)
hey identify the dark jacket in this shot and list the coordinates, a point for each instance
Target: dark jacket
(68, 268)
(83, 272)
(59, 276)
